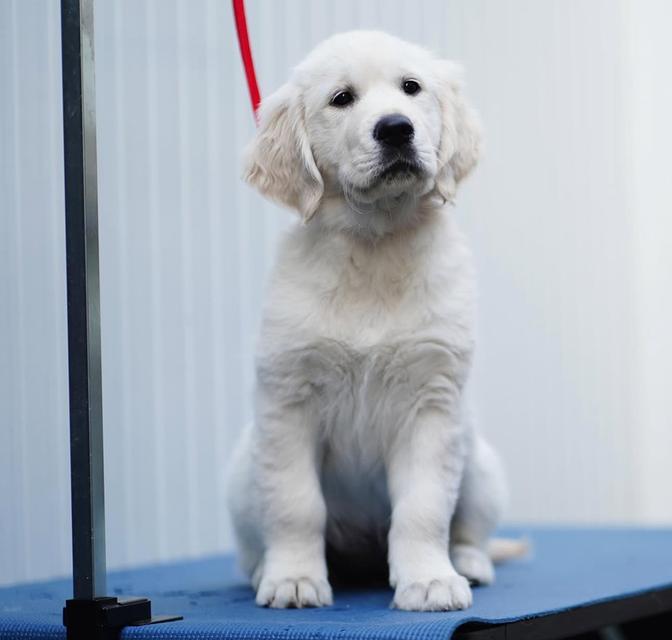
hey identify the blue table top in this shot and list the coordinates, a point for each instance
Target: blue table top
(567, 568)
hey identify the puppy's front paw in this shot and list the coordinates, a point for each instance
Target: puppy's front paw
(440, 593)
(304, 591)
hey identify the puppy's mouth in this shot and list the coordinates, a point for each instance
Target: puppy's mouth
(399, 169)
(393, 176)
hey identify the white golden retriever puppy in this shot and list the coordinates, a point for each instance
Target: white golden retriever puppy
(361, 450)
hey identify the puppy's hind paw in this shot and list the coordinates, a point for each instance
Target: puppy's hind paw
(473, 563)
(440, 594)
(294, 593)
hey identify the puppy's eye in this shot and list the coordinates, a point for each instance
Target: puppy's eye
(342, 99)
(411, 87)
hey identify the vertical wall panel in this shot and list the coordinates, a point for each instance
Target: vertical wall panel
(546, 214)
(647, 98)
(34, 503)
(185, 249)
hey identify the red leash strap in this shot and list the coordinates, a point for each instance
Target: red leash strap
(246, 54)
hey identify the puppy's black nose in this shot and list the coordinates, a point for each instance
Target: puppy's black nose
(394, 130)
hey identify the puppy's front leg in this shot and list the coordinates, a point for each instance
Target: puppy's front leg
(294, 571)
(424, 472)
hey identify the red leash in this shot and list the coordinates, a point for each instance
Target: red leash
(246, 54)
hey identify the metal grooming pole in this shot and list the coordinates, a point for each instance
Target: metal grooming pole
(90, 615)
(81, 220)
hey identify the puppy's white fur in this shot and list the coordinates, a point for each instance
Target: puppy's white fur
(360, 433)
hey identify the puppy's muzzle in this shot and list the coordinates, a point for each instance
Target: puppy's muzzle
(394, 131)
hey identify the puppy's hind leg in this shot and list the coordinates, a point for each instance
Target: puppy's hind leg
(243, 501)
(479, 509)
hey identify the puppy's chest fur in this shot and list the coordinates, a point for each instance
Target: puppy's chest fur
(367, 337)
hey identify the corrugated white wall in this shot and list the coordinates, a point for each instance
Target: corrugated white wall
(648, 128)
(34, 495)
(185, 249)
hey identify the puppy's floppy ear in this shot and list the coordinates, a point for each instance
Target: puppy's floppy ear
(461, 132)
(279, 162)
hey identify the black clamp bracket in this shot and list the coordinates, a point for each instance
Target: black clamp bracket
(104, 618)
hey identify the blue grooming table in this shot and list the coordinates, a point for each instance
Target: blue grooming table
(575, 579)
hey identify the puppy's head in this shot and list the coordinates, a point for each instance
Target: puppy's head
(367, 118)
